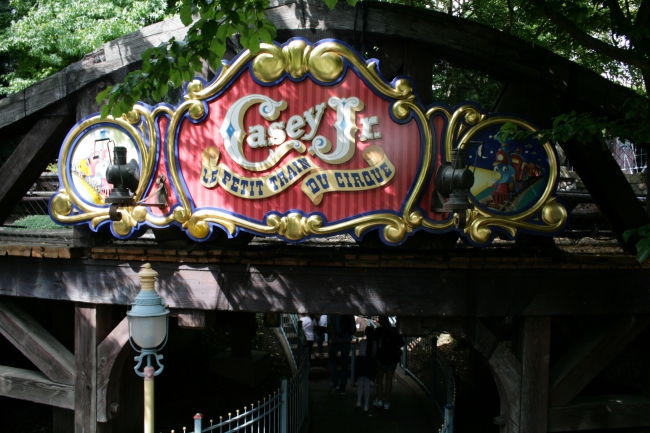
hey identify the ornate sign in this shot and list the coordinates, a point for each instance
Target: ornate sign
(307, 140)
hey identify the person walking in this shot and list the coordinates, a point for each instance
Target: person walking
(365, 370)
(319, 334)
(308, 331)
(340, 330)
(389, 352)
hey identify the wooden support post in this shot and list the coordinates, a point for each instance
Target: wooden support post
(111, 354)
(34, 386)
(418, 64)
(243, 328)
(63, 331)
(92, 324)
(590, 355)
(609, 188)
(536, 346)
(38, 345)
(32, 155)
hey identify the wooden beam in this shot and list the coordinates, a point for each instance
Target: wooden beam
(111, 282)
(345, 290)
(590, 355)
(601, 412)
(418, 64)
(194, 319)
(391, 59)
(38, 345)
(462, 41)
(111, 58)
(91, 324)
(32, 155)
(63, 331)
(34, 386)
(536, 349)
(111, 354)
(609, 188)
(465, 43)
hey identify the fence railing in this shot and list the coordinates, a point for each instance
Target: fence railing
(293, 335)
(420, 360)
(282, 412)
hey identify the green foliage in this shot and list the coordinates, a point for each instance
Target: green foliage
(174, 62)
(643, 242)
(452, 84)
(585, 128)
(41, 38)
(36, 222)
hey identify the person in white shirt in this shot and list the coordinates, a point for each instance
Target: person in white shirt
(308, 330)
(365, 371)
(320, 332)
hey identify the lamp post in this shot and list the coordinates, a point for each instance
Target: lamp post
(148, 321)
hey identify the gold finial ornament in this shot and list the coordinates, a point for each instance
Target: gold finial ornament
(147, 277)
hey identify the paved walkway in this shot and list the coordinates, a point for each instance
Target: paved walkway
(409, 409)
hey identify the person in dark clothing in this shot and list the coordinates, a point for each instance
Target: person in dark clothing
(365, 371)
(340, 330)
(389, 354)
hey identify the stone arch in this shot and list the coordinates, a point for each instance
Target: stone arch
(506, 369)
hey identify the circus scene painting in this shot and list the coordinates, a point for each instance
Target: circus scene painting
(91, 157)
(509, 176)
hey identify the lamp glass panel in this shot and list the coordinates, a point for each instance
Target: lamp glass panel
(148, 332)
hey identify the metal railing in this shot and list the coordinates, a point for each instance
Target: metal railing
(421, 361)
(293, 335)
(282, 412)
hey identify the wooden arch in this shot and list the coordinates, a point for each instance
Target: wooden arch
(558, 85)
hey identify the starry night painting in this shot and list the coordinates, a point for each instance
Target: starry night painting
(508, 177)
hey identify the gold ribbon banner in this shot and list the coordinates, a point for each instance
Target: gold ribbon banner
(379, 173)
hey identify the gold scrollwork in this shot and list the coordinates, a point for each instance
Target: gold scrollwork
(553, 215)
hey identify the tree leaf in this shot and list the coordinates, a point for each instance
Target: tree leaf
(627, 234)
(265, 36)
(186, 14)
(331, 3)
(106, 109)
(209, 29)
(254, 43)
(642, 253)
(103, 95)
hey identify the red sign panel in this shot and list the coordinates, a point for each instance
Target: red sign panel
(306, 140)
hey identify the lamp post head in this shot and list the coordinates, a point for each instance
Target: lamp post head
(148, 316)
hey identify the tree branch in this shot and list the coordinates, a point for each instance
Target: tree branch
(589, 42)
(618, 17)
(642, 14)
